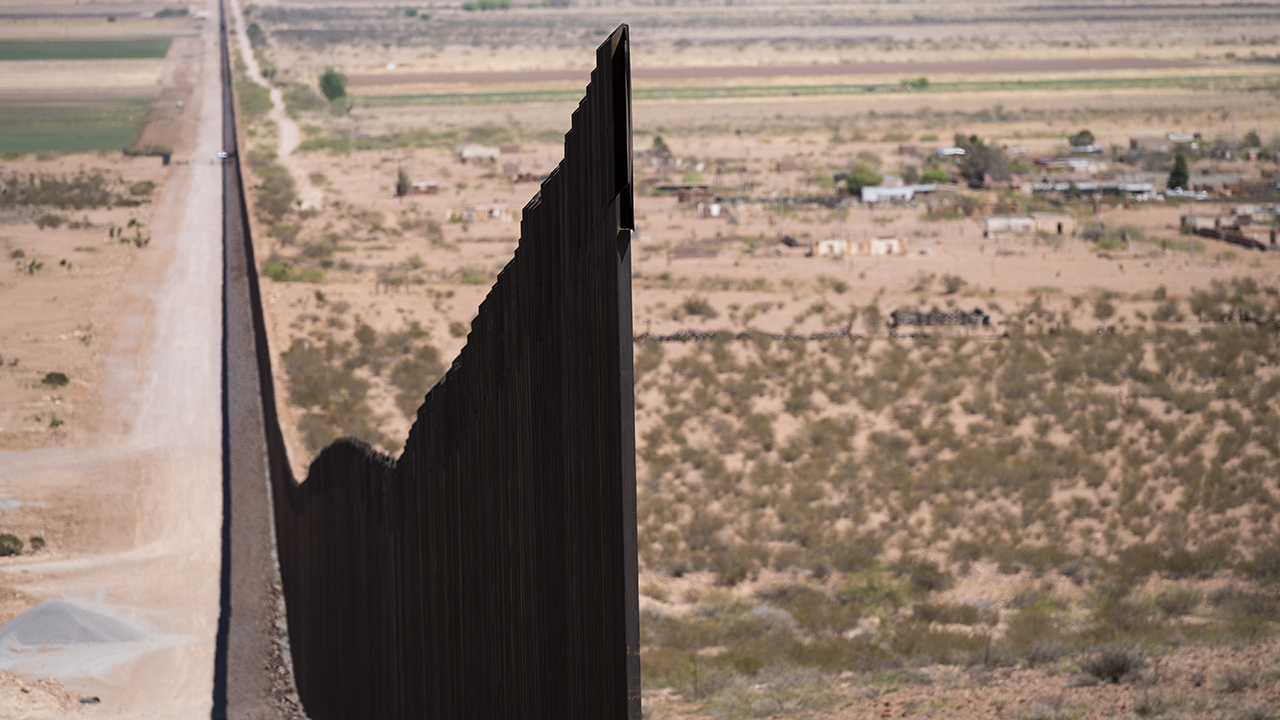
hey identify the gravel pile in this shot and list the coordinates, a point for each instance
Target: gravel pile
(56, 622)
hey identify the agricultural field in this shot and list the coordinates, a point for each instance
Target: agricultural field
(70, 125)
(1066, 512)
(152, 47)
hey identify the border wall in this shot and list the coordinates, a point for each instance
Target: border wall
(490, 570)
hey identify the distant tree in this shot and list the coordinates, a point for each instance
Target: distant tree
(257, 38)
(402, 182)
(660, 150)
(333, 84)
(862, 176)
(911, 174)
(1102, 308)
(1080, 139)
(1179, 177)
(980, 161)
(1251, 140)
(411, 12)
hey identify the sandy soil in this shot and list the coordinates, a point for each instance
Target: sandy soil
(131, 501)
(61, 74)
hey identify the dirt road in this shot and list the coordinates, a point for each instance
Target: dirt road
(290, 135)
(910, 69)
(155, 459)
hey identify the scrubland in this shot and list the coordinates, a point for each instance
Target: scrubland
(1068, 513)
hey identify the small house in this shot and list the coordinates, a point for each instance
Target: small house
(829, 248)
(880, 193)
(474, 153)
(884, 246)
(425, 187)
(1008, 225)
(1054, 223)
(1215, 181)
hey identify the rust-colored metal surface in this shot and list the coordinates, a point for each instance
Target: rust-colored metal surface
(490, 570)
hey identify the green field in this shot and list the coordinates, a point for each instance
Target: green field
(1235, 82)
(152, 47)
(71, 126)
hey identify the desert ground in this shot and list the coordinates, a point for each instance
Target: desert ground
(111, 339)
(1069, 512)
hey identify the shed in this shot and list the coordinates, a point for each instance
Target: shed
(884, 246)
(1008, 225)
(879, 193)
(830, 248)
(425, 187)
(469, 153)
(1054, 223)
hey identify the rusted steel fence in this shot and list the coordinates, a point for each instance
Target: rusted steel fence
(490, 570)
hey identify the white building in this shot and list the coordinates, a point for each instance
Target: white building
(1007, 225)
(830, 248)
(884, 246)
(478, 152)
(880, 193)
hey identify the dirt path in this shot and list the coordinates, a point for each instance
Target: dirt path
(148, 483)
(289, 134)
(641, 74)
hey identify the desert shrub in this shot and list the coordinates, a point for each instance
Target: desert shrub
(282, 270)
(1234, 679)
(51, 220)
(276, 195)
(1103, 309)
(37, 543)
(142, 188)
(1114, 663)
(55, 379)
(655, 591)
(873, 590)
(1178, 600)
(952, 284)
(733, 565)
(1242, 601)
(82, 190)
(1167, 311)
(301, 98)
(696, 306)
(916, 640)
(814, 610)
(953, 614)
(1253, 711)
(775, 691)
(255, 100)
(1035, 633)
(1265, 564)
(287, 233)
(10, 545)
(414, 375)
